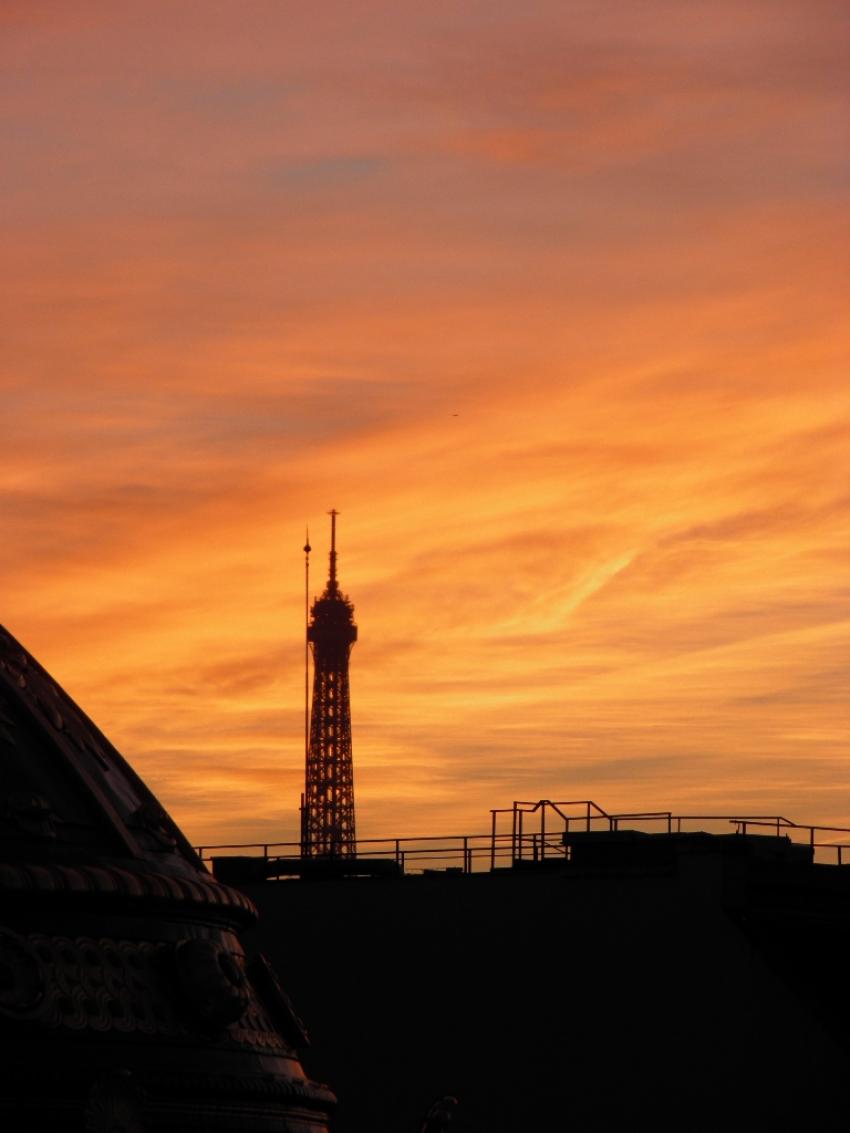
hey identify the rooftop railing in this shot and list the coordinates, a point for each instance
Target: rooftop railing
(534, 832)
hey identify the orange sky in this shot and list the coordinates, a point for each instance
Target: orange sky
(549, 300)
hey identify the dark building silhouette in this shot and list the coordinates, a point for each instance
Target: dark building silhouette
(683, 984)
(586, 974)
(127, 1002)
(328, 828)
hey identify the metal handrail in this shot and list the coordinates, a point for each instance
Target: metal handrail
(474, 850)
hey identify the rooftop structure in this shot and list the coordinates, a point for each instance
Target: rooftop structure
(574, 968)
(546, 833)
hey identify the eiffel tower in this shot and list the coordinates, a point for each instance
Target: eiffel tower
(327, 816)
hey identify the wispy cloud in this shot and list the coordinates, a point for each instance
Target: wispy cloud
(550, 304)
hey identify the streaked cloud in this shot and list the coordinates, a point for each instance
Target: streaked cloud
(550, 304)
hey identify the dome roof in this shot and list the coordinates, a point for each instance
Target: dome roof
(66, 795)
(125, 992)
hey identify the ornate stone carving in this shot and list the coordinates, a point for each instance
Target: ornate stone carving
(212, 981)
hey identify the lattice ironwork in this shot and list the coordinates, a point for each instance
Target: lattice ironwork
(328, 810)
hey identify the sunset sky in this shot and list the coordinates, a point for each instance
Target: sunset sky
(548, 299)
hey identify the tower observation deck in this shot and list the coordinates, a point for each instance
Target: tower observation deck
(327, 818)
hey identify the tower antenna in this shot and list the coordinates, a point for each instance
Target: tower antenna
(332, 583)
(307, 550)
